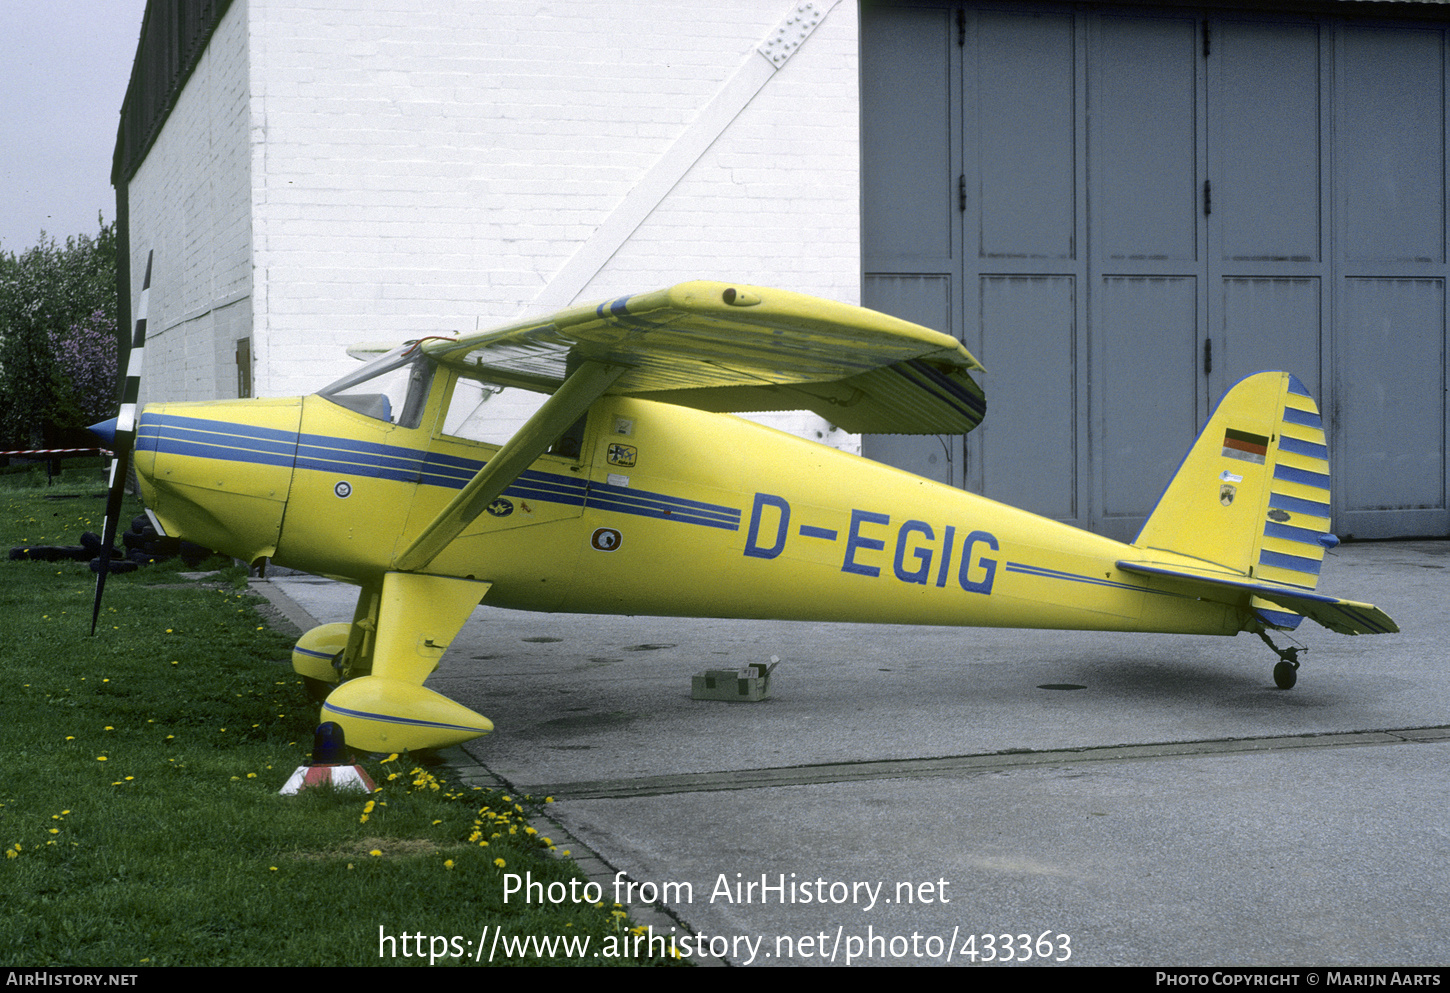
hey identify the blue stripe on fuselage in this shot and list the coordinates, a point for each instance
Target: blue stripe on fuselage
(231, 442)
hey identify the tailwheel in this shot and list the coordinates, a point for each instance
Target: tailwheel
(1286, 672)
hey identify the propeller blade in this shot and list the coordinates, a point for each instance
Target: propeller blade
(125, 440)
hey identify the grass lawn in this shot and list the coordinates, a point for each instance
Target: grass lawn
(139, 814)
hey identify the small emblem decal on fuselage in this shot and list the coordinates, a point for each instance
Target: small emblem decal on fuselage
(343, 490)
(1226, 494)
(606, 539)
(501, 508)
(622, 454)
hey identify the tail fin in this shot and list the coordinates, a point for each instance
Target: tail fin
(1252, 496)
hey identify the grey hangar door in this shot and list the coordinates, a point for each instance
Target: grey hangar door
(1123, 212)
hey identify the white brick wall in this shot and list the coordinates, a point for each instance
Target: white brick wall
(417, 169)
(190, 202)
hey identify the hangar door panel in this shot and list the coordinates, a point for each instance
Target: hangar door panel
(1393, 358)
(1021, 111)
(1022, 265)
(1391, 145)
(1143, 135)
(906, 76)
(1266, 162)
(1389, 449)
(1029, 454)
(1147, 393)
(1267, 174)
(1147, 237)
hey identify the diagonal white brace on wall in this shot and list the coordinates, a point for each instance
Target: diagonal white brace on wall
(732, 97)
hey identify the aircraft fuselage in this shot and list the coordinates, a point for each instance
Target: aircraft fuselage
(665, 511)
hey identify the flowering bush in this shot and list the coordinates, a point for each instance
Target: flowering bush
(46, 292)
(85, 358)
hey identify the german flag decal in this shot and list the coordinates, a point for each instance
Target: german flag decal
(1245, 446)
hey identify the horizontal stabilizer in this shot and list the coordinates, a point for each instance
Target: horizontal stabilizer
(1340, 616)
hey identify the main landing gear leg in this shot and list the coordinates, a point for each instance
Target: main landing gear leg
(1286, 672)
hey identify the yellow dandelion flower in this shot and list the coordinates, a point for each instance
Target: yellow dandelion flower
(448, 864)
(500, 863)
(100, 758)
(375, 852)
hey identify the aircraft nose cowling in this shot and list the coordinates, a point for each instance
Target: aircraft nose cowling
(218, 473)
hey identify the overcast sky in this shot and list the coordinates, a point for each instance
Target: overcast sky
(63, 72)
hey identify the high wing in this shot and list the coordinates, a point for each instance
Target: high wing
(712, 346)
(730, 348)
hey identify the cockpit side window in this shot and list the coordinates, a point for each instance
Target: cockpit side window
(491, 414)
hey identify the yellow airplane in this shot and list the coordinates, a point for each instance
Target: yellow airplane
(629, 492)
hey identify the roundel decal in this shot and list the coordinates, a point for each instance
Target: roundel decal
(343, 489)
(606, 539)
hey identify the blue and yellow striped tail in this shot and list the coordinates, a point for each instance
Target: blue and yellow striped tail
(1251, 500)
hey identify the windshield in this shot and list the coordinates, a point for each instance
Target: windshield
(391, 388)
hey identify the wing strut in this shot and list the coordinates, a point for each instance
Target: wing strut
(585, 384)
